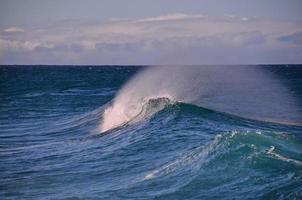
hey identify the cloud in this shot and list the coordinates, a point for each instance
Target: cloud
(174, 16)
(244, 19)
(60, 48)
(15, 46)
(14, 30)
(295, 38)
(174, 38)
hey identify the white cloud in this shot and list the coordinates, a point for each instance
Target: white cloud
(13, 30)
(174, 16)
(244, 19)
(16, 46)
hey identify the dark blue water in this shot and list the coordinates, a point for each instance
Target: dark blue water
(52, 146)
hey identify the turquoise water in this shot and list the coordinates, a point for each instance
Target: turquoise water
(54, 144)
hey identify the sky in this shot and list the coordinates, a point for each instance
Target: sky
(150, 32)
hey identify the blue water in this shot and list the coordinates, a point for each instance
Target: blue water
(52, 145)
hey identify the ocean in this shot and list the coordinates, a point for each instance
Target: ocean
(161, 132)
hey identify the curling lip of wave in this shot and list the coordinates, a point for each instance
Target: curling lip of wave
(114, 116)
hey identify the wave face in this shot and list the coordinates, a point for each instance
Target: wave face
(151, 133)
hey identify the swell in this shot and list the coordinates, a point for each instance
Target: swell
(235, 158)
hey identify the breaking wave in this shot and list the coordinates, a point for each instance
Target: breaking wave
(248, 92)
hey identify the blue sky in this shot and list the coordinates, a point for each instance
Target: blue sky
(150, 31)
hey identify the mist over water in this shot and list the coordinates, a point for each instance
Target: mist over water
(246, 91)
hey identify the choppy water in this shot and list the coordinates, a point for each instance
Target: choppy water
(54, 144)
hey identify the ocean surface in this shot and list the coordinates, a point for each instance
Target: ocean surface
(131, 132)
